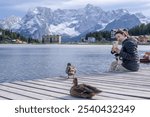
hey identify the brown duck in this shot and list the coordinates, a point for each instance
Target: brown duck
(70, 70)
(83, 90)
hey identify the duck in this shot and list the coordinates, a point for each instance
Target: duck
(83, 90)
(70, 70)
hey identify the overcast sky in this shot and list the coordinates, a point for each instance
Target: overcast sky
(20, 7)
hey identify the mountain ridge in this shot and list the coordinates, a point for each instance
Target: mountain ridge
(71, 23)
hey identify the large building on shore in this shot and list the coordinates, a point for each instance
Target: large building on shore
(51, 39)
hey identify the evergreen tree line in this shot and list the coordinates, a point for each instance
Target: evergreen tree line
(9, 35)
(143, 29)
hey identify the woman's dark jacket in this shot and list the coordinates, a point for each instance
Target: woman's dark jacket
(129, 54)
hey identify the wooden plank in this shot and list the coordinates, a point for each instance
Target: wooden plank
(27, 93)
(4, 98)
(13, 96)
(19, 92)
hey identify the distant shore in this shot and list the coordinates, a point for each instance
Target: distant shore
(71, 43)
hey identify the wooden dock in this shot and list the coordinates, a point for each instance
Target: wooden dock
(122, 86)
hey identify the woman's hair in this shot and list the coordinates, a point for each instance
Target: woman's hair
(123, 32)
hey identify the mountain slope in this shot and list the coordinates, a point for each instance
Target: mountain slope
(126, 21)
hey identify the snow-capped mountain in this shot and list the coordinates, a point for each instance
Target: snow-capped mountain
(70, 23)
(10, 22)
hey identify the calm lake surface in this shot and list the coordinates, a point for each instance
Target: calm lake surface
(20, 62)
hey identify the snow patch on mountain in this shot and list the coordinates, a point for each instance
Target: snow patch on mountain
(143, 18)
(63, 28)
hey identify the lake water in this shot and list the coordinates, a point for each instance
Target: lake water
(20, 62)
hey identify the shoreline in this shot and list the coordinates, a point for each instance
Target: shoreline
(70, 44)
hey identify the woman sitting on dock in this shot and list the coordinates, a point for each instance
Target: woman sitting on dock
(128, 53)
